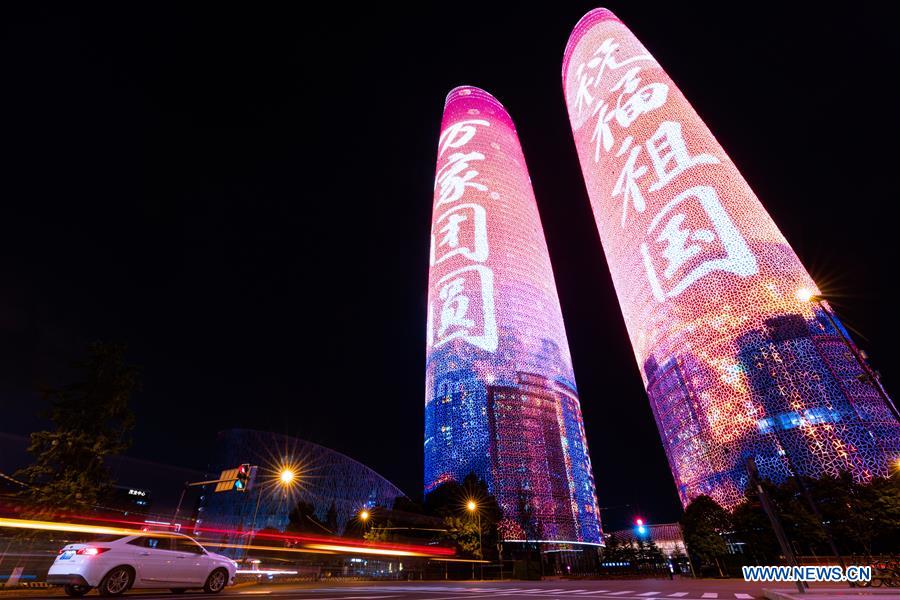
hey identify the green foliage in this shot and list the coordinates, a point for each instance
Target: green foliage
(618, 550)
(331, 519)
(448, 501)
(863, 518)
(649, 554)
(303, 519)
(91, 421)
(703, 524)
(751, 526)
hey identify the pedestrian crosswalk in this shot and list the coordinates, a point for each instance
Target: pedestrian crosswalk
(549, 592)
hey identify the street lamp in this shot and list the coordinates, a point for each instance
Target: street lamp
(286, 476)
(806, 295)
(472, 507)
(363, 518)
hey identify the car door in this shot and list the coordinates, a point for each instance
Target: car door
(153, 560)
(191, 561)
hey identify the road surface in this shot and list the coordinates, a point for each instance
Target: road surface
(643, 589)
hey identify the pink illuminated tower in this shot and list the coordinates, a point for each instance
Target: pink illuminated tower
(740, 356)
(500, 397)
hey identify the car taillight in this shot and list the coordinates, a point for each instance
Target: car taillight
(91, 551)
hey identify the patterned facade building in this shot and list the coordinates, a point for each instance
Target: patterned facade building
(500, 398)
(740, 355)
(329, 481)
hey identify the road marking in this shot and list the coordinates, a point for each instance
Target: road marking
(593, 592)
(743, 596)
(622, 592)
(677, 595)
(710, 595)
(649, 594)
(570, 592)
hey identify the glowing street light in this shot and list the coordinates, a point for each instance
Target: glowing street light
(364, 518)
(804, 294)
(472, 507)
(287, 476)
(868, 376)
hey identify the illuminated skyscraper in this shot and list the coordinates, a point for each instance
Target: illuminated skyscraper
(740, 356)
(500, 397)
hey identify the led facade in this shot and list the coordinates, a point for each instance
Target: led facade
(500, 396)
(739, 356)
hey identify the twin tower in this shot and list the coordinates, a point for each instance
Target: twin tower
(740, 355)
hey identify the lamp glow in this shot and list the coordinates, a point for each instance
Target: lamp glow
(287, 476)
(804, 294)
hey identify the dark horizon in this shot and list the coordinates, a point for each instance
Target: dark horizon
(244, 200)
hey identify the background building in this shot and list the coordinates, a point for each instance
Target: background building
(500, 398)
(740, 357)
(324, 478)
(667, 537)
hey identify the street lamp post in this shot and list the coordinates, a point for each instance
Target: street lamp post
(807, 296)
(286, 478)
(364, 518)
(770, 511)
(472, 507)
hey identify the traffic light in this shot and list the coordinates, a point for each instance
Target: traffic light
(242, 479)
(640, 527)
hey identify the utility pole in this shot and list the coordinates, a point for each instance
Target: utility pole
(188, 484)
(769, 508)
(870, 374)
(480, 548)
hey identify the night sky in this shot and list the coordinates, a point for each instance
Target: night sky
(243, 197)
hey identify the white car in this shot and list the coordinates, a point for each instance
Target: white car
(115, 564)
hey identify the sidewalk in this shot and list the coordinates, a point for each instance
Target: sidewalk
(832, 593)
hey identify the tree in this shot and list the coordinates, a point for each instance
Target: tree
(91, 421)
(303, 519)
(448, 501)
(752, 527)
(649, 555)
(703, 524)
(861, 517)
(618, 551)
(331, 519)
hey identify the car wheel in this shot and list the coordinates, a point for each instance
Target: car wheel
(76, 591)
(116, 582)
(178, 590)
(216, 581)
